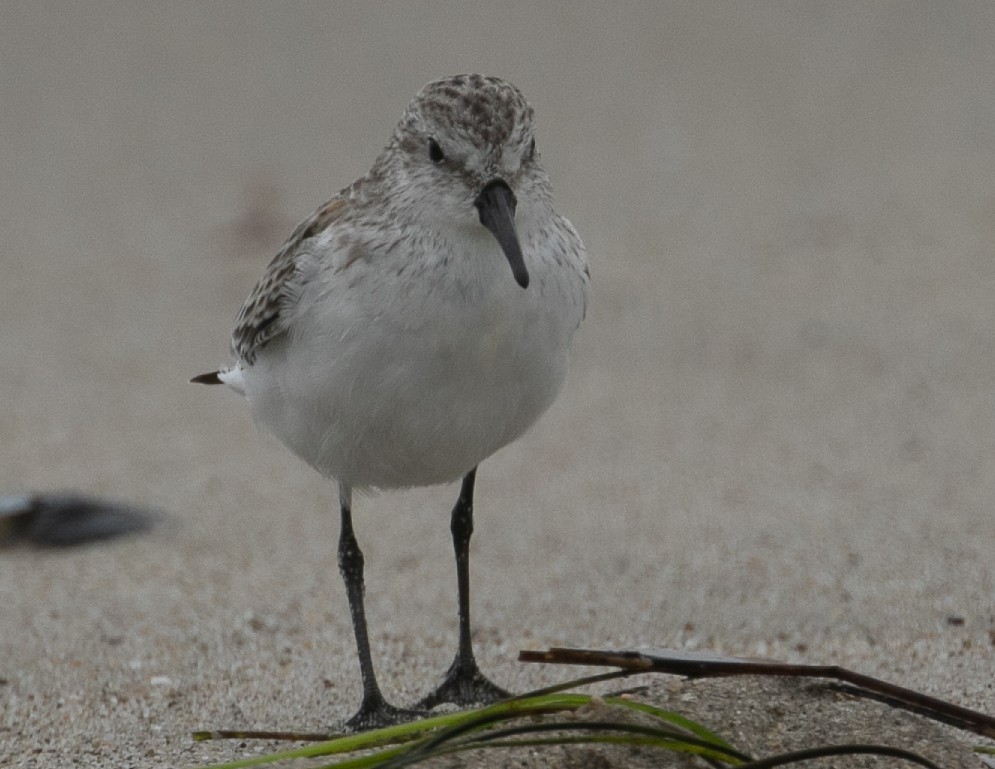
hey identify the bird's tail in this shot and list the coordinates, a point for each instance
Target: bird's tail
(226, 376)
(210, 378)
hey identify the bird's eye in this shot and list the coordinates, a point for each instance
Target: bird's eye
(530, 153)
(435, 151)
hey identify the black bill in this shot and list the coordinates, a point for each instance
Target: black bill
(496, 205)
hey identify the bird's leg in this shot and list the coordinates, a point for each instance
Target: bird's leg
(374, 711)
(464, 683)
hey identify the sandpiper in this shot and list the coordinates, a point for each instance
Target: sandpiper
(415, 324)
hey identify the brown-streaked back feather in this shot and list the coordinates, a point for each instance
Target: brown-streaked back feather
(260, 320)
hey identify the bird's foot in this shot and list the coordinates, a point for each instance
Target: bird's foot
(376, 712)
(464, 685)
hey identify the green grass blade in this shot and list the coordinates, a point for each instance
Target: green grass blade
(830, 751)
(670, 717)
(412, 742)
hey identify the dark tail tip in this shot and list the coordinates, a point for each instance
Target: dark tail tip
(211, 378)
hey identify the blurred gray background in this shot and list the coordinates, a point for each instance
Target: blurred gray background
(777, 438)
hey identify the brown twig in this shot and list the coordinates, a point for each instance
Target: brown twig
(697, 665)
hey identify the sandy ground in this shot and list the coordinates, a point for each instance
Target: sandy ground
(777, 439)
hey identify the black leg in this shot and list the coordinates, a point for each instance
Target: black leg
(464, 683)
(375, 710)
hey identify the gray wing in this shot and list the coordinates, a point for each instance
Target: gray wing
(262, 315)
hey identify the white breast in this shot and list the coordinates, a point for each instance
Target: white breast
(391, 383)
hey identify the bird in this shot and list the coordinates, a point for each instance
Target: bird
(415, 324)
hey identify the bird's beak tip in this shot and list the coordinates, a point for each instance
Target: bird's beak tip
(496, 206)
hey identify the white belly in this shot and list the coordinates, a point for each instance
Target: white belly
(419, 390)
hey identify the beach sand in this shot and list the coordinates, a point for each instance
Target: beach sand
(778, 434)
